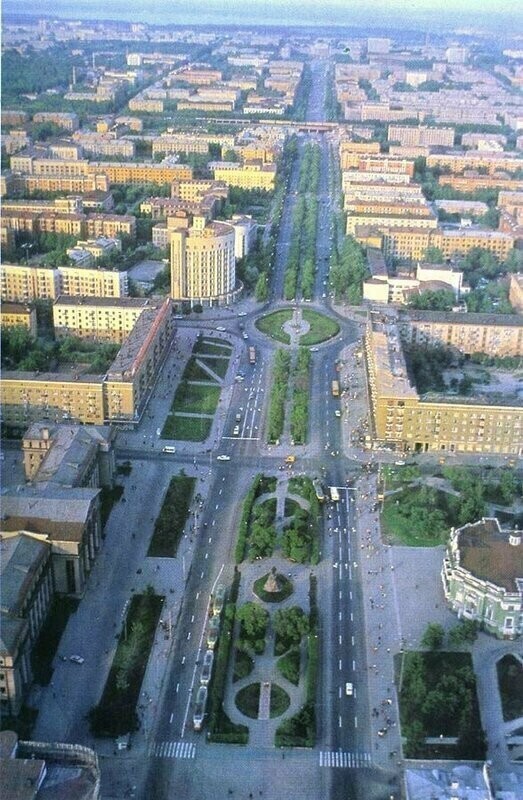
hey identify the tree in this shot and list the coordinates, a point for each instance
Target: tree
(434, 255)
(253, 620)
(433, 636)
(290, 624)
(464, 632)
(433, 300)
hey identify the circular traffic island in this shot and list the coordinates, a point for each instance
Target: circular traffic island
(273, 587)
(310, 326)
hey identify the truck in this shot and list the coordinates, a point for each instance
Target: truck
(335, 388)
(199, 708)
(335, 495)
(252, 355)
(290, 459)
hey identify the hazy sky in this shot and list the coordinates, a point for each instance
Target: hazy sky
(396, 13)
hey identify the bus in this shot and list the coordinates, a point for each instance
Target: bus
(335, 388)
(208, 660)
(335, 495)
(199, 708)
(318, 489)
(252, 355)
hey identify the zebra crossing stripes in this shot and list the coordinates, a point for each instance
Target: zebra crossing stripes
(344, 760)
(173, 750)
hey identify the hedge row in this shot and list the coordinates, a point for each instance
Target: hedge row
(300, 398)
(259, 485)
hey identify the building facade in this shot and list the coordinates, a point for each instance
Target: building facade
(482, 577)
(203, 265)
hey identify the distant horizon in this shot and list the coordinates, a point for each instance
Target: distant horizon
(504, 15)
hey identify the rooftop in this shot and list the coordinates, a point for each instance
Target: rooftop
(70, 453)
(485, 552)
(58, 512)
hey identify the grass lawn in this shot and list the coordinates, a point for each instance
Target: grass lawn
(189, 429)
(289, 665)
(218, 365)
(322, 328)
(248, 700)
(196, 398)
(273, 597)
(290, 507)
(49, 639)
(280, 701)
(272, 324)
(170, 522)
(211, 347)
(194, 372)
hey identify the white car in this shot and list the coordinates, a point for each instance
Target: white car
(220, 328)
(349, 689)
(245, 335)
(242, 313)
(223, 458)
(76, 659)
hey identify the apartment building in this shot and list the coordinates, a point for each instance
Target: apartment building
(14, 315)
(97, 144)
(405, 421)
(195, 103)
(380, 191)
(410, 243)
(246, 176)
(16, 184)
(203, 263)
(68, 121)
(110, 226)
(195, 190)
(498, 335)
(482, 576)
(22, 283)
(421, 135)
(377, 163)
(85, 282)
(410, 216)
(199, 76)
(118, 396)
(473, 181)
(458, 163)
(138, 172)
(98, 318)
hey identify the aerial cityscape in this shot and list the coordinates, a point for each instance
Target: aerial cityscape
(262, 401)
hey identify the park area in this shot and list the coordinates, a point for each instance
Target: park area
(196, 398)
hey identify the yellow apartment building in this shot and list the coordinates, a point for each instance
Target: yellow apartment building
(98, 318)
(414, 135)
(118, 396)
(14, 315)
(137, 173)
(400, 418)
(247, 176)
(491, 162)
(203, 264)
(86, 282)
(407, 220)
(22, 283)
(110, 225)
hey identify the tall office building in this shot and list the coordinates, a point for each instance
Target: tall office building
(203, 267)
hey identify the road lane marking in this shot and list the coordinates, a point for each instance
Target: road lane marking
(339, 664)
(353, 665)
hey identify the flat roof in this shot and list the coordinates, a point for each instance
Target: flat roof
(107, 302)
(462, 318)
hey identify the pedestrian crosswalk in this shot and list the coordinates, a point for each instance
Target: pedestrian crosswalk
(337, 758)
(173, 750)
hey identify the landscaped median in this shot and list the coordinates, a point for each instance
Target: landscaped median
(170, 522)
(116, 714)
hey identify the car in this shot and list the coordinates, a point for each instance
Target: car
(400, 463)
(239, 378)
(76, 659)
(242, 313)
(245, 335)
(223, 458)
(220, 328)
(236, 431)
(349, 689)
(337, 413)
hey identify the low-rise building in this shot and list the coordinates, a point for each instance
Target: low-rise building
(246, 176)
(482, 576)
(18, 315)
(98, 318)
